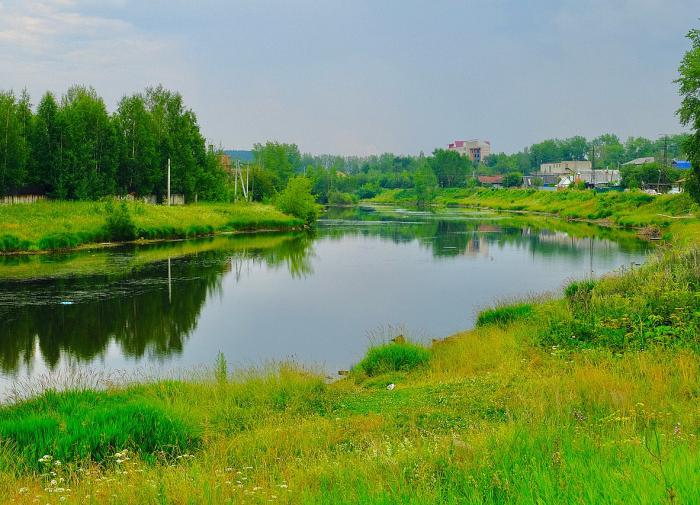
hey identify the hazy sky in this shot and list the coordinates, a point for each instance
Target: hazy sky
(367, 76)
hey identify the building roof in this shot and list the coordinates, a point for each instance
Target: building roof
(641, 161)
(682, 164)
(490, 179)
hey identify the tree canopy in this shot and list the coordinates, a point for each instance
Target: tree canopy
(75, 149)
(689, 113)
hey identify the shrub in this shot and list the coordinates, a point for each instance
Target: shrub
(119, 225)
(394, 357)
(89, 426)
(11, 243)
(338, 198)
(297, 200)
(504, 315)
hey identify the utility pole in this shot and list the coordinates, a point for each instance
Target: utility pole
(235, 181)
(169, 182)
(663, 166)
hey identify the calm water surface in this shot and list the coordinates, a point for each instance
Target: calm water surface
(261, 298)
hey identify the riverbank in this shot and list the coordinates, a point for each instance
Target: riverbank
(631, 210)
(53, 225)
(586, 399)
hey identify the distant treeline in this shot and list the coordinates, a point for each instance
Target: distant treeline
(342, 179)
(73, 148)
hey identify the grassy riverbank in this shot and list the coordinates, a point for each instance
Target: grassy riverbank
(633, 209)
(65, 225)
(591, 398)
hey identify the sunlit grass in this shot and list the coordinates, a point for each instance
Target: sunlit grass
(60, 225)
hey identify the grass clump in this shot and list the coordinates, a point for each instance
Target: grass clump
(83, 426)
(504, 315)
(119, 226)
(394, 357)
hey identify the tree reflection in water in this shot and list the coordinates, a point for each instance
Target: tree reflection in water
(148, 310)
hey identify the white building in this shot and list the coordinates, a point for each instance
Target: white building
(569, 172)
(476, 150)
(564, 167)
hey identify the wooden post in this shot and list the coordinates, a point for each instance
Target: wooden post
(168, 182)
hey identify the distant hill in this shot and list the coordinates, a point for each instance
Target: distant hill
(243, 156)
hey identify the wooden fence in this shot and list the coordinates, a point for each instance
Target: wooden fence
(13, 199)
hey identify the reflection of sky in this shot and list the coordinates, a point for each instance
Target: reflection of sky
(360, 283)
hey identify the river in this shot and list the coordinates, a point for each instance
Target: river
(318, 299)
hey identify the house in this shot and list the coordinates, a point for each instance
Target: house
(494, 181)
(564, 167)
(641, 161)
(475, 150)
(578, 171)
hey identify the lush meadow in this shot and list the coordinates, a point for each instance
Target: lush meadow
(591, 398)
(629, 209)
(57, 225)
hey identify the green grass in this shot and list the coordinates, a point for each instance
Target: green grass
(393, 357)
(592, 398)
(629, 209)
(504, 315)
(58, 225)
(83, 426)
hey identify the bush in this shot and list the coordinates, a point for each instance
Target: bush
(11, 243)
(81, 426)
(119, 226)
(505, 315)
(297, 200)
(339, 199)
(394, 357)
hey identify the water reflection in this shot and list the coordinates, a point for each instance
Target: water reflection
(361, 268)
(147, 311)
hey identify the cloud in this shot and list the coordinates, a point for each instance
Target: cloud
(55, 43)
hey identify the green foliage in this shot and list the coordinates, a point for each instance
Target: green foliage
(504, 315)
(79, 426)
(513, 180)
(654, 305)
(689, 112)
(339, 199)
(297, 200)
(393, 357)
(449, 167)
(77, 150)
(426, 185)
(119, 225)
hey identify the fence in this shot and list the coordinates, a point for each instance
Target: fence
(12, 199)
(176, 199)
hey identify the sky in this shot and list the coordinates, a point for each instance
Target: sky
(359, 77)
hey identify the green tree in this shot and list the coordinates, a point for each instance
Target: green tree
(15, 117)
(689, 112)
(513, 180)
(47, 146)
(449, 167)
(140, 169)
(90, 154)
(280, 160)
(425, 184)
(296, 199)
